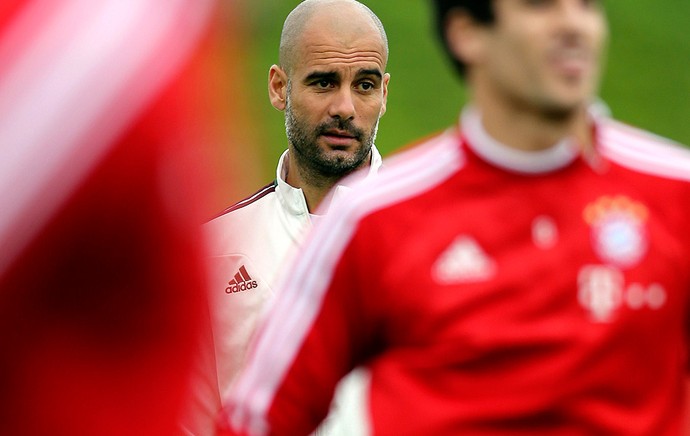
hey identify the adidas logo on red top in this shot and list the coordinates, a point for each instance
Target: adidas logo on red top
(241, 282)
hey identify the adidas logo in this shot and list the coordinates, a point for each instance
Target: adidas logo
(241, 282)
(463, 261)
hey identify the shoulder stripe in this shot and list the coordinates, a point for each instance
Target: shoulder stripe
(643, 151)
(271, 187)
(299, 300)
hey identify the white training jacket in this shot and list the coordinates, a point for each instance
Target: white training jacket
(249, 244)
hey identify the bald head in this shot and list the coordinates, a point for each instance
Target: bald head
(341, 15)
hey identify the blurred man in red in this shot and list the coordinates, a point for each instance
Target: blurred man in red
(101, 283)
(509, 276)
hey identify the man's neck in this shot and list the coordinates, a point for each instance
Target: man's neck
(315, 187)
(531, 130)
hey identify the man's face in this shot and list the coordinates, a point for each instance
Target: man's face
(337, 93)
(318, 151)
(544, 54)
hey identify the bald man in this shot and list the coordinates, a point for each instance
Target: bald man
(332, 86)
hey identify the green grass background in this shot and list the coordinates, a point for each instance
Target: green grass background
(646, 81)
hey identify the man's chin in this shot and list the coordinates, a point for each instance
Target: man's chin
(338, 164)
(563, 110)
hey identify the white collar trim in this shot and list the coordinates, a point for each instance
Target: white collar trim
(293, 198)
(528, 162)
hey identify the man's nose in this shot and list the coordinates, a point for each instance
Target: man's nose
(573, 16)
(342, 104)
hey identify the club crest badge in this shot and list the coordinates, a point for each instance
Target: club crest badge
(619, 230)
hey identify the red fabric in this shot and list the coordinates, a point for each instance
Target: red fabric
(484, 301)
(101, 311)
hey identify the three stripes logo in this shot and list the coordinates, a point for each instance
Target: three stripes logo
(241, 282)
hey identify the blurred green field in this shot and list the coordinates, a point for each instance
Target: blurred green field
(647, 79)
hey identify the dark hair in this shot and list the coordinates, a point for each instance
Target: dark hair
(481, 10)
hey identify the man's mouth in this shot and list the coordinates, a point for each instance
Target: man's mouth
(571, 62)
(339, 133)
(338, 137)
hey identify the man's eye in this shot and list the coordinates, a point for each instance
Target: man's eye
(366, 86)
(323, 84)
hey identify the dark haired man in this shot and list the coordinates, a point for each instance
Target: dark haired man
(509, 276)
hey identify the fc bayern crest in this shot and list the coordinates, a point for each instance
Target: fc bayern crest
(619, 230)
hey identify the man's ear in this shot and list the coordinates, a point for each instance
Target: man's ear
(277, 87)
(464, 37)
(386, 79)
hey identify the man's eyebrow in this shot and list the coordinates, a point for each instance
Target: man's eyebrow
(370, 72)
(334, 76)
(322, 75)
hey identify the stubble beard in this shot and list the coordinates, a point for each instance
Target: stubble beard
(314, 164)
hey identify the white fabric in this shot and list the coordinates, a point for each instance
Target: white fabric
(261, 236)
